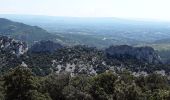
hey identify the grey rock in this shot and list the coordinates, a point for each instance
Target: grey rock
(12, 46)
(144, 54)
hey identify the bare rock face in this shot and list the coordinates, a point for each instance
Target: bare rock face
(45, 46)
(12, 46)
(144, 54)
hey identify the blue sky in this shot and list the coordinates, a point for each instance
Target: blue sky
(148, 9)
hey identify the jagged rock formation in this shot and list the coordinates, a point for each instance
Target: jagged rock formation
(77, 59)
(11, 52)
(80, 60)
(12, 46)
(144, 54)
(45, 46)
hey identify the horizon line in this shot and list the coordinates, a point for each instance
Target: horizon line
(125, 18)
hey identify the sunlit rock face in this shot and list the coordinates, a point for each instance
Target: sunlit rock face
(45, 46)
(12, 46)
(144, 54)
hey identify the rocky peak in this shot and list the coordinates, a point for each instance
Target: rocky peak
(144, 54)
(12, 46)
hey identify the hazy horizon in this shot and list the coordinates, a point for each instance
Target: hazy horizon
(133, 9)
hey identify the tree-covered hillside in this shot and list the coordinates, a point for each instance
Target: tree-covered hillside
(78, 59)
(23, 32)
(20, 84)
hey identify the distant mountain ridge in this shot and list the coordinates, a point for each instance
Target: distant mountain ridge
(98, 32)
(23, 32)
(102, 32)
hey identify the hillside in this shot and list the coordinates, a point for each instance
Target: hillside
(162, 47)
(47, 57)
(45, 47)
(80, 72)
(23, 32)
(125, 52)
(97, 32)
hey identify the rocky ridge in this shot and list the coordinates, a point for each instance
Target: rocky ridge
(12, 46)
(49, 57)
(143, 54)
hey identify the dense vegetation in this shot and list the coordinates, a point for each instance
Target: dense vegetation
(39, 80)
(21, 84)
(82, 59)
(51, 71)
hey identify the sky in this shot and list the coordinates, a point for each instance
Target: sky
(146, 9)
